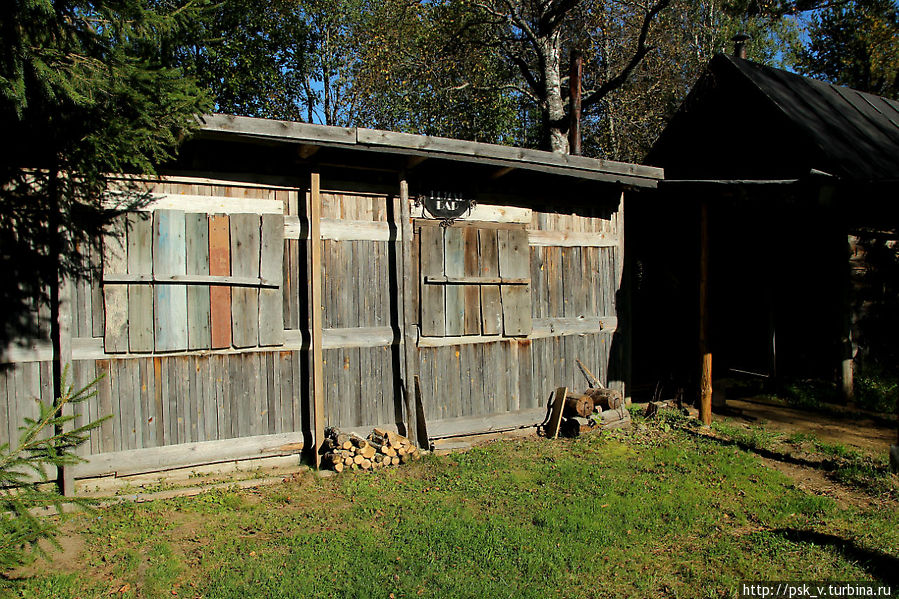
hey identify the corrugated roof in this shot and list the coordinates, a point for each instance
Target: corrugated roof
(856, 134)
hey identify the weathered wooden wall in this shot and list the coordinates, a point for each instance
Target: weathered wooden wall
(212, 385)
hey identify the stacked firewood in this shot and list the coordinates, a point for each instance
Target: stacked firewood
(595, 408)
(381, 448)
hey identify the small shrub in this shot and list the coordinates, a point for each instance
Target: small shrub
(43, 446)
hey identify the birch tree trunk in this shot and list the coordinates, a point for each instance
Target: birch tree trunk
(554, 117)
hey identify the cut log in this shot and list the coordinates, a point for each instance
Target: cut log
(358, 459)
(607, 399)
(577, 405)
(366, 464)
(342, 440)
(395, 461)
(349, 461)
(615, 415)
(337, 466)
(368, 452)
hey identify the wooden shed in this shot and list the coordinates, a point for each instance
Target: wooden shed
(780, 204)
(286, 277)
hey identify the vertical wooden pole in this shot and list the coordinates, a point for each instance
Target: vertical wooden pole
(575, 74)
(705, 353)
(315, 310)
(60, 318)
(410, 351)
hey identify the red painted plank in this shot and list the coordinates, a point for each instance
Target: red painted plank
(220, 295)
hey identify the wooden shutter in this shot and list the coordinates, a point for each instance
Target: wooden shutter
(176, 281)
(474, 281)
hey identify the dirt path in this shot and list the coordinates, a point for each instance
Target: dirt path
(856, 429)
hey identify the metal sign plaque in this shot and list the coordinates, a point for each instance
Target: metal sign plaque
(446, 204)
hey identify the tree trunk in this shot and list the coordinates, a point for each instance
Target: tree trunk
(554, 118)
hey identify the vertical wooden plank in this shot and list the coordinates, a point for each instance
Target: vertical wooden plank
(197, 242)
(170, 258)
(516, 299)
(5, 435)
(140, 297)
(245, 243)
(105, 403)
(220, 295)
(271, 310)
(433, 308)
(315, 309)
(284, 363)
(98, 320)
(115, 297)
(454, 266)
(526, 394)
(491, 308)
(256, 365)
(472, 293)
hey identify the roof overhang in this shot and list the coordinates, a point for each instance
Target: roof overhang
(419, 148)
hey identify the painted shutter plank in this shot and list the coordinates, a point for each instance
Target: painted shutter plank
(220, 295)
(271, 268)
(115, 297)
(197, 226)
(245, 262)
(491, 308)
(472, 293)
(170, 258)
(454, 266)
(433, 320)
(516, 299)
(140, 297)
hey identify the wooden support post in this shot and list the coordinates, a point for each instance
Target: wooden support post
(61, 320)
(705, 353)
(408, 310)
(315, 310)
(575, 73)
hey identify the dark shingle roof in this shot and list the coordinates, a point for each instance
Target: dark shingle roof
(842, 131)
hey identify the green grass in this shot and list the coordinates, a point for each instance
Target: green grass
(656, 512)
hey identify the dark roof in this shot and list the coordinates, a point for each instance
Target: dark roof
(793, 121)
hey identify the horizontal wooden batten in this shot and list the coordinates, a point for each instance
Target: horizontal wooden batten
(91, 348)
(542, 328)
(169, 457)
(485, 213)
(341, 230)
(456, 427)
(559, 327)
(477, 280)
(230, 281)
(571, 238)
(203, 203)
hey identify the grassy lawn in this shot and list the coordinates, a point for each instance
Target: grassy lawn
(656, 512)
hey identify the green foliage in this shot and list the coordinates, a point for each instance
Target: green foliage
(85, 95)
(855, 44)
(877, 390)
(45, 443)
(253, 56)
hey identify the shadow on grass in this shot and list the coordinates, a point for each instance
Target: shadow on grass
(882, 566)
(787, 458)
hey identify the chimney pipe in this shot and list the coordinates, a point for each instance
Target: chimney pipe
(739, 41)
